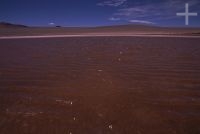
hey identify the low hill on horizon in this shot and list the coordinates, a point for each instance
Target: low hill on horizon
(9, 29)
(10, 25)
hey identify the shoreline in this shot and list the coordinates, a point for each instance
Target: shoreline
(99, 35)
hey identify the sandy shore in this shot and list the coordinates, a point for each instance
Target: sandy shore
(100, 85)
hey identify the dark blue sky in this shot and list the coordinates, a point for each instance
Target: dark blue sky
(97, 12)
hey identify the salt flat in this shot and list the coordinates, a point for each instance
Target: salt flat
(99, 35)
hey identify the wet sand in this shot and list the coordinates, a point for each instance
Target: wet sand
(100, 85)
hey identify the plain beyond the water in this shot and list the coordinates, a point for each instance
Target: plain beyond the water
(100, 85)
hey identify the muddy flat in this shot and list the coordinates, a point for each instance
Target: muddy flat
(100, 85)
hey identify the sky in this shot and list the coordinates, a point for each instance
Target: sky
(75, 13)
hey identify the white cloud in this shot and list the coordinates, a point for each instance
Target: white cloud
(141, 21)
(112, 3)
(161, 10)
(114, 19)
(51, 23)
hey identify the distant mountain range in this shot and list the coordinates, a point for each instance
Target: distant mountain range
(125, 27)
(8, 29)
(10, 25)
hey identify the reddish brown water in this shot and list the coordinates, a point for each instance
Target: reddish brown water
(100, 85)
